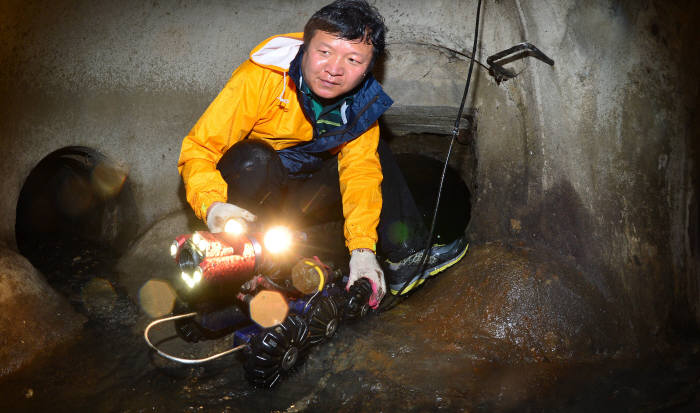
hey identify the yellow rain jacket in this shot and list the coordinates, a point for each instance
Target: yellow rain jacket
(260, 101)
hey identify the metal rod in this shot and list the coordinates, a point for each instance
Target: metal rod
(180, 359)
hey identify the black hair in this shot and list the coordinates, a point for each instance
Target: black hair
(350, 20)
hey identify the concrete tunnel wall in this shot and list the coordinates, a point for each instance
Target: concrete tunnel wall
(593, 158)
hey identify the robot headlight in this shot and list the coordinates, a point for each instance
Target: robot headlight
(278, 239)
(200, 242)
(192, 280)
(173, 248)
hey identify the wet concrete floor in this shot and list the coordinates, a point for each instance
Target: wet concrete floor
(386, 362)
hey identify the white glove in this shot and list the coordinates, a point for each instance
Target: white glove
(220, 212)
(363, 264)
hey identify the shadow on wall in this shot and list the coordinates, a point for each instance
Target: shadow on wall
(74, 197)
(562, 223)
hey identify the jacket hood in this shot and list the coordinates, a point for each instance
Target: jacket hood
(277, 52)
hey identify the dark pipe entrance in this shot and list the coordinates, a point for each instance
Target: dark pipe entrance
(75, 206)
(422, 175)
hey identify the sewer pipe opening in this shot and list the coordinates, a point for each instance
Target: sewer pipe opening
(75, 205)
(422, 175)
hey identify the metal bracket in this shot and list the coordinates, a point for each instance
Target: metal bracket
(519, 51)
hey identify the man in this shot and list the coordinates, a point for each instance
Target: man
(295, 132)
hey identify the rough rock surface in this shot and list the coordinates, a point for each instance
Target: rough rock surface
(33, 318)
(513, 304)
(497, 305)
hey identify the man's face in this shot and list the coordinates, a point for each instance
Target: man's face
(332, 67)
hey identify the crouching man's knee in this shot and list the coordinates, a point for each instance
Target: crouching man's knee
(252, 170)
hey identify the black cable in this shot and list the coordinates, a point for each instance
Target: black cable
(455, 132)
